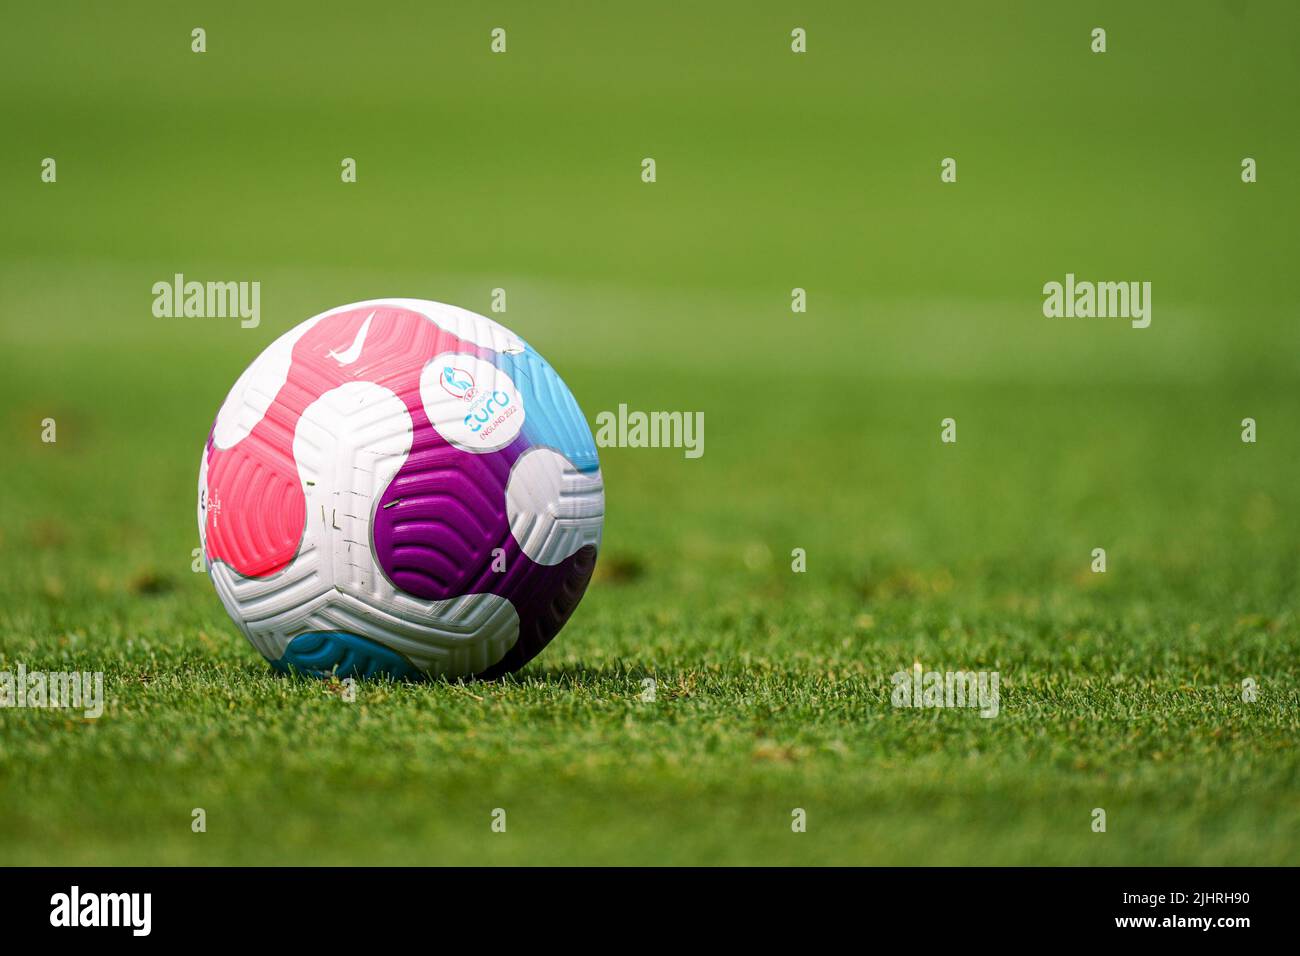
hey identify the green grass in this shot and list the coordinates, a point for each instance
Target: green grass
(1119, 690)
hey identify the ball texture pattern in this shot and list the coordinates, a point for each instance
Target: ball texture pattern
(400, 487)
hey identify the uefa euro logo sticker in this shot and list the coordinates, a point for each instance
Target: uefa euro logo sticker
(474, 404)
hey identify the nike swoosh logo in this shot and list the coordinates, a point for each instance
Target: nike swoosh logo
(354, 351)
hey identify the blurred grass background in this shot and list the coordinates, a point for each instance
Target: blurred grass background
(775, 170)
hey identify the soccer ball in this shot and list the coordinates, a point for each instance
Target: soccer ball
(400, 487)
